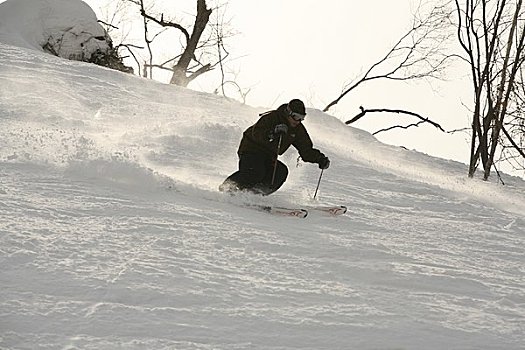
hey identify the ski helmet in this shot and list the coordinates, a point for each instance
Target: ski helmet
(297, 106)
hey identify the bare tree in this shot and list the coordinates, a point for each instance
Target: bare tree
(228, 78)
(492, 35)
(512, 143)
(416, 55)
(492, 38)
(200, 50)
(181, 69)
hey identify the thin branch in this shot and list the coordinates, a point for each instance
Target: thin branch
(397, 111)
(164, 23)
(513, 143)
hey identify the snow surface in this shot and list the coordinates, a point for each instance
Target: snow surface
(113, 235)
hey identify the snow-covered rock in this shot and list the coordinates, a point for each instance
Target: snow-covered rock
(64, 28)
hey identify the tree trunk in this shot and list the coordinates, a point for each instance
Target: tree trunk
(180, 70)
(505, 86)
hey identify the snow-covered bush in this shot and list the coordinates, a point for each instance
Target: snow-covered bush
(65, 28)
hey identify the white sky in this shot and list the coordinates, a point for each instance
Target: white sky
(311, 49)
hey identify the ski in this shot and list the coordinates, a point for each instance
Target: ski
(282, 211)
(334, 210)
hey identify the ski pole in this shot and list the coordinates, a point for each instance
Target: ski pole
(277, 155)
(318, 183)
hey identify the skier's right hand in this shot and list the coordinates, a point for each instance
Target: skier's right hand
(280, 129)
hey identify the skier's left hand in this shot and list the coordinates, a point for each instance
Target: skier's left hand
(324, 162)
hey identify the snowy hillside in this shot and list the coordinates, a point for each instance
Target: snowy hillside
(113, 235)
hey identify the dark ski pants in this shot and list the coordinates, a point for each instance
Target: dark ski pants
(255, 175)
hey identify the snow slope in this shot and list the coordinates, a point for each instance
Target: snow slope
(113, 236)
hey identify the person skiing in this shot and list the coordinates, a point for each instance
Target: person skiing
(260, 171)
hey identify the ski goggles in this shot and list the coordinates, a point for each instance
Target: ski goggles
(297, 117)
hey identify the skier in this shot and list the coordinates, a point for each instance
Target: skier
(259, 170)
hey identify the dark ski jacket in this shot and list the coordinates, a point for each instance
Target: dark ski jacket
(259, 137)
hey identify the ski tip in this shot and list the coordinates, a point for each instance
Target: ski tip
(337, 210)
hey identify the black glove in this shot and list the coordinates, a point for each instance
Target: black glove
(323, 162)
(280, 129)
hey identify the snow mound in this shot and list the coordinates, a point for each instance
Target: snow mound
(65, 28)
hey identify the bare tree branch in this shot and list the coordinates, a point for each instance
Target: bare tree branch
(398, 127)
(415, 55)
(397, 111)
(164, 23)
(513, 143)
